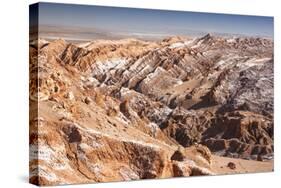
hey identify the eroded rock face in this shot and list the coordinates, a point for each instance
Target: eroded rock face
(195, 160)
(241, 134)
(236, 86)
(130, 109)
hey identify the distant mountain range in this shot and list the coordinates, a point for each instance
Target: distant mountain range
(76, 34)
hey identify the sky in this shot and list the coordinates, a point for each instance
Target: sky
(151, 21)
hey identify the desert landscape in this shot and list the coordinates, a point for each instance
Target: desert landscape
(120, 94)
(129, 109)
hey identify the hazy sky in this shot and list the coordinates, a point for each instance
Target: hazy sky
(152, 21)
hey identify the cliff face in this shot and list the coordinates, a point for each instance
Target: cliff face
(130, 109)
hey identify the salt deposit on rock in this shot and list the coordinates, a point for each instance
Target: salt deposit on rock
(114, 110)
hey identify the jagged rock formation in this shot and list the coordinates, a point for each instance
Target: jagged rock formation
(242, 134)
(130, 109)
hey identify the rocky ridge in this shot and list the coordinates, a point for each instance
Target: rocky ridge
(131, 109)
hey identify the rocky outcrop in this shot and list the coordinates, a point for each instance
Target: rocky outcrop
(240, 134)
(236, 86)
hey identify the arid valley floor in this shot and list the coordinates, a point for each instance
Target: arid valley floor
(129, 109)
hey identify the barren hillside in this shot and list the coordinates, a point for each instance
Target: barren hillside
(114, 110)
